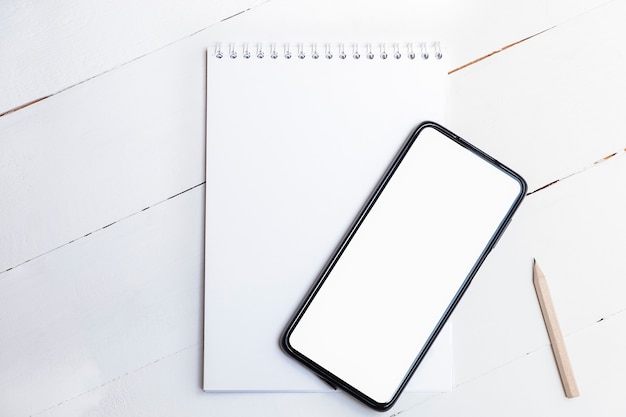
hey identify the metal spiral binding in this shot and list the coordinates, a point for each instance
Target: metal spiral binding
(382, 51)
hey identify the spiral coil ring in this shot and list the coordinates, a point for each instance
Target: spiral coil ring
(383, 51)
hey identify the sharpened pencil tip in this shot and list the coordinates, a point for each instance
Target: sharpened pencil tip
(537, 272)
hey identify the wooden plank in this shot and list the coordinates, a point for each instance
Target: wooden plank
(65, 357)
(49, 47)
(98, 152)
(576, 229)
(85, 158)
(529, 384)
(102, 307)
(548, 107)
(88, 320)
(172, 384)
(492, 24)
(519, 388)
(551, 105)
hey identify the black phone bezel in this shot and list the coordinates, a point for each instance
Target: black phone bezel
(335, 381)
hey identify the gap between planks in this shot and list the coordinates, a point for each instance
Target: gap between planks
(602, 320)
(613, 155)
(521, 357)
(30, 103)
(115, 379)
(23, 106)
(102, 228)
(504, 48)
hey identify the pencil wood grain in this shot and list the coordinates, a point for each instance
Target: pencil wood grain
(554, 333)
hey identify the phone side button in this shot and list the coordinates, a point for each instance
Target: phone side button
(328, 381)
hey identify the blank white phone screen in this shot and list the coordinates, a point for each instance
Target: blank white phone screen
(395, 279)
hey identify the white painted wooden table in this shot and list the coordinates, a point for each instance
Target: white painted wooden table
(102, 200)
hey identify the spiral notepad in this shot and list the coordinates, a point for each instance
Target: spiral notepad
(298, 135)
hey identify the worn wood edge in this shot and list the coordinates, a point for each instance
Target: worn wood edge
(504, 48)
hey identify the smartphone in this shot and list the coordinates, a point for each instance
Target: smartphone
(403, 265)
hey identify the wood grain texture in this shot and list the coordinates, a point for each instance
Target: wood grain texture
(559, 90)
(467, 30)
(47, 47)
(94, 311)
(525, 385)
(169, 385)
(107, 325)
(574, 227)
(102, 150)
(557, 341)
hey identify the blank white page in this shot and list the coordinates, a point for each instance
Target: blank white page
(294, 148)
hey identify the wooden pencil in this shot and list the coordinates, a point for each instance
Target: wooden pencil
(554, 333)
